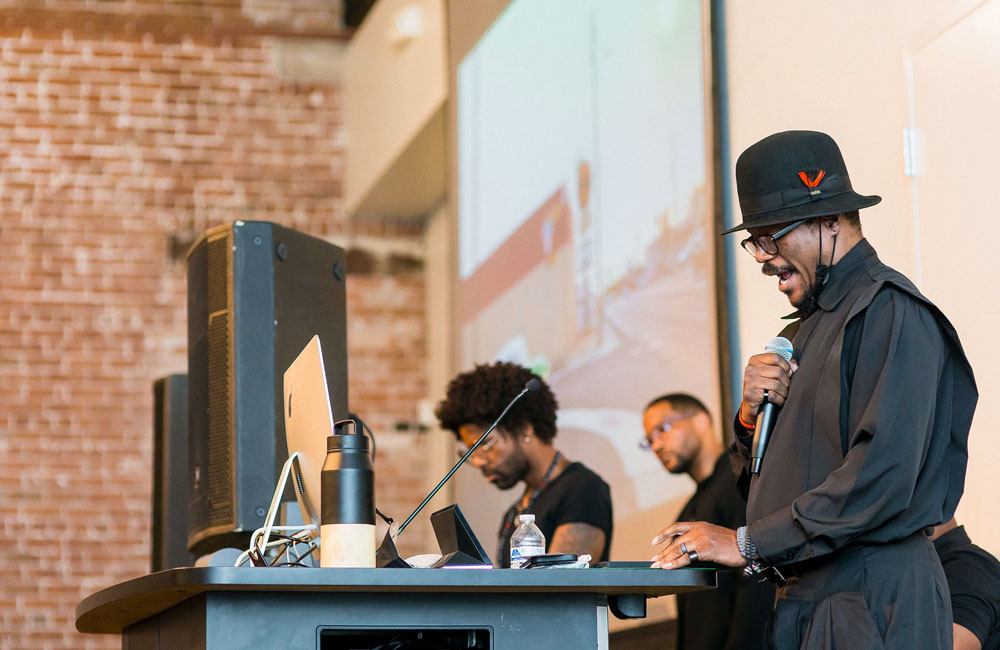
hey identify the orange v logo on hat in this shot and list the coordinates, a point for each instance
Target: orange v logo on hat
(812, 182)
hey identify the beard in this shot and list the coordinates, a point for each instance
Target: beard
(682, 462)
(512, 471)
(808, 303)
(683, 466)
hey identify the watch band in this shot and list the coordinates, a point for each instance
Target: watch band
(747, 548)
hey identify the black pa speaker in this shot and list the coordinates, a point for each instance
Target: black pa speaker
(257, 293)
(170, 472)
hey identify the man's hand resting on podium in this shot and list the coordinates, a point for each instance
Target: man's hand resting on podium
(699, 541)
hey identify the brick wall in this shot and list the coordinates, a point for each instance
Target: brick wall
(124, 134)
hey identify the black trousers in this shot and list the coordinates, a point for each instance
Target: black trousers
(867, 597)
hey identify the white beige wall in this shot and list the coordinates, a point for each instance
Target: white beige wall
(845, 69)
(395, 86)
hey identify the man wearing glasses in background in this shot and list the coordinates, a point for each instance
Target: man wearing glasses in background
(679, 431)
(571, 504)
(870, 448)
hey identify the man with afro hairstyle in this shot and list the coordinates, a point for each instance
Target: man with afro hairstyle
(571, 504)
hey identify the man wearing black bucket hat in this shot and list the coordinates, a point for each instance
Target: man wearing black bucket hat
(870, 447)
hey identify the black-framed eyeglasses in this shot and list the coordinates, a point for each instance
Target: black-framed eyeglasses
(661, 429)
(766, 243)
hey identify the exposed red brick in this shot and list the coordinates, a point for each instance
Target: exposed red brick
(117, 143)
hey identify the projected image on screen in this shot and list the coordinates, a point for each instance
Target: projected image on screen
(585, 248)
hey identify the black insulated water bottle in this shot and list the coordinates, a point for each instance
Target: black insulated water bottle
(347, 500)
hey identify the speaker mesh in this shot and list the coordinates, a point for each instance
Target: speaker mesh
(220, 386)
(220, 469)
(218, 275)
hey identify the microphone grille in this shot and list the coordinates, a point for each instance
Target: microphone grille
(532, 385)
(780, 346)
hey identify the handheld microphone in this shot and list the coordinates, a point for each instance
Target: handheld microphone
(768, 413)
(529, 387)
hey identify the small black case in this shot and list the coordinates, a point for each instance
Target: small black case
(549, 559)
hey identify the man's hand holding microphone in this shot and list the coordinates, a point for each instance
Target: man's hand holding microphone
(766, 379)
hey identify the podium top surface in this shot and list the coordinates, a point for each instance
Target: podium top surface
(112, 609)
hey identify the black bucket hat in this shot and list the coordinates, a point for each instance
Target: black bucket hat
(794, 175)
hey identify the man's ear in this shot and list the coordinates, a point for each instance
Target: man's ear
(833, 224)
(702, 421)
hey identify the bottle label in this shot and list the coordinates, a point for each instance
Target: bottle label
(519, 554)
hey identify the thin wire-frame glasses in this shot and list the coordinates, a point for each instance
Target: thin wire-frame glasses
(646, 442)
(766, 243)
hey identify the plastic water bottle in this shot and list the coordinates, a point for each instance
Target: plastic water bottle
(526, 541)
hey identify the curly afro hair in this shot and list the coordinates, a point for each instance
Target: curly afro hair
(479, 396)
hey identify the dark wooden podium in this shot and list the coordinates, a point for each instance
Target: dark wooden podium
(339, 609)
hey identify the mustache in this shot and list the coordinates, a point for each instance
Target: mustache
(768, 268)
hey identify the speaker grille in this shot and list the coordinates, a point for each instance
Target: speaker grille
(220, 445)
(220, 385)
(218, 275)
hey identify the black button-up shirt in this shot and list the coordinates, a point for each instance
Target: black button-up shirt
(871, 445)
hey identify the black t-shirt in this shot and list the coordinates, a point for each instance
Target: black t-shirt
(974, 581)
(577, 496)
(735, 613)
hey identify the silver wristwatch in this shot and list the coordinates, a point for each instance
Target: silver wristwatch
(747, 548)
(749, 551)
